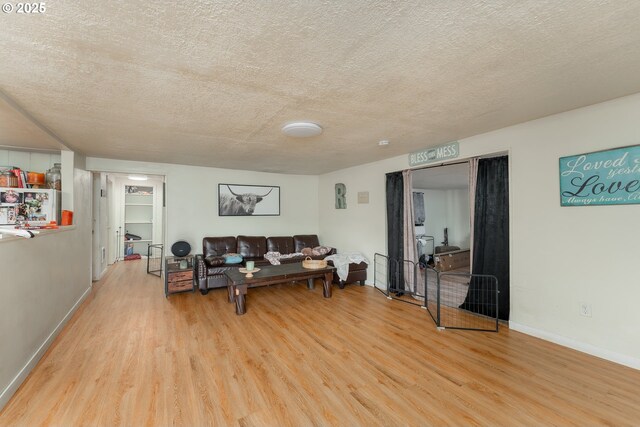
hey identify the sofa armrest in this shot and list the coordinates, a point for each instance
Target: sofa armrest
(201, 271)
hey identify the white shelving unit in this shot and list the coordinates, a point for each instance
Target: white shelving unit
(138, 218)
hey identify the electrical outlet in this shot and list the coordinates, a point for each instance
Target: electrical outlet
(585, 309)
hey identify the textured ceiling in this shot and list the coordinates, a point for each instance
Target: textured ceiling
(18, 130)
(212, 83)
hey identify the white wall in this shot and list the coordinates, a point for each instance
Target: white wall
(447, 209)
(29, 160)
(359, 227)
(458, 220)
(560, 257)
(192, 205)
(43, 281)
(112, 220)
(100, 225)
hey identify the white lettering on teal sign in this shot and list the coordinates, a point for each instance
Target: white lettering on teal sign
(435, 154)
(610, 177)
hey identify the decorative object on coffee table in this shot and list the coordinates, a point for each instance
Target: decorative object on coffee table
(249, 273)
(314, 264)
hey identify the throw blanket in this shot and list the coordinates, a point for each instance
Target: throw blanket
(342, 261)
(275, 257)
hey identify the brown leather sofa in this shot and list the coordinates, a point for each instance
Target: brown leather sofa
(210, 275)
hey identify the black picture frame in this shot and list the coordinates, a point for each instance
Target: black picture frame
(248, 200)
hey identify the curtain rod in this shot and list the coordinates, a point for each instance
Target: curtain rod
(438, 165)
(485, 156)
(430, 166)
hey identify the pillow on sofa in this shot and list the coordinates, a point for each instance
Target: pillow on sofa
(214, 261)
(232, 258)
(321, 250)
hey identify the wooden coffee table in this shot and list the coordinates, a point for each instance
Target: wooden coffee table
(238, 283)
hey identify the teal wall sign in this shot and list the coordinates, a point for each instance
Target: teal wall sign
(610, 177)
(435, 154)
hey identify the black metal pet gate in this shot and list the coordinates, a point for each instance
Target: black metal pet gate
(453, 300)
(155, 259)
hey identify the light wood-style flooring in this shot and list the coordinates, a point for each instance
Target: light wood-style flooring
(132, 357)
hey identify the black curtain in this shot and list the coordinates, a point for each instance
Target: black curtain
(395, 225)
(491, 238)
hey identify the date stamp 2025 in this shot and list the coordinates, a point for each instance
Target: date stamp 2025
(25, 8)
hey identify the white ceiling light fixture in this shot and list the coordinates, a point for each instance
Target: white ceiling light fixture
(383, 143)
(302, 129)
(138, 177)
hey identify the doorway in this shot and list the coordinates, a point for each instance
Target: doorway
(454, 230)
(128, 216)
(441, 212)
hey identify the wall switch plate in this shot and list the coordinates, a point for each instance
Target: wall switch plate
(585, 309)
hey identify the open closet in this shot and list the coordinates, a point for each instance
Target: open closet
(136, 214)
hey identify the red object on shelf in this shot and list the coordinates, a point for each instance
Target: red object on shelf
(18, 173)
(67, 218)
(35, 178)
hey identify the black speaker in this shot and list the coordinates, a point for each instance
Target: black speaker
(180, 249)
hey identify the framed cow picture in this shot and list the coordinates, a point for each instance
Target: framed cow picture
(248, 200)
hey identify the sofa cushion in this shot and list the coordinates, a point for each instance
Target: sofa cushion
(218, 246)
(214, 261)
(284, 245)
(297, 258)
(319, 251)
(301, 241)
(216, 271)
(232, 258)
(257, 261)
(252, 246)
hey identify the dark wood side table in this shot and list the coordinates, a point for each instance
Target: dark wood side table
(178, 279)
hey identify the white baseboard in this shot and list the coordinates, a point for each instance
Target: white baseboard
(622, 359)
(33, 361)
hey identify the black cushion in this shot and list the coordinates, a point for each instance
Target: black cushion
(214, 261)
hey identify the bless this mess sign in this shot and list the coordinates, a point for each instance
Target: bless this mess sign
(610, 177)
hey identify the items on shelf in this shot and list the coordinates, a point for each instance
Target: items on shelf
(138, 219)
(54, 177)
(14, 177)
(8, 179)
(36, 180)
